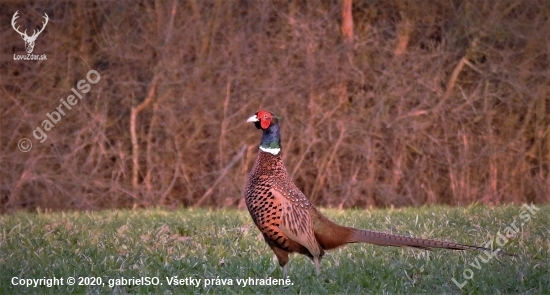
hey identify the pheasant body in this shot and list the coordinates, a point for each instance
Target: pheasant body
(289, 222)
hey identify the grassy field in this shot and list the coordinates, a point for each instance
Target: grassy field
(102, 249)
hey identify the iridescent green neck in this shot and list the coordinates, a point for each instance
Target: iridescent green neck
(271, 140)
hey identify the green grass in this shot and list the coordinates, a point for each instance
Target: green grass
(207, 244)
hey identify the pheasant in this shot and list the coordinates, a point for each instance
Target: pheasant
(289, 222)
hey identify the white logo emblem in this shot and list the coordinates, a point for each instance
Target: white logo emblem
(29, 40)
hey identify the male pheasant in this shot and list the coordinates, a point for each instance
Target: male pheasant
(288, 220)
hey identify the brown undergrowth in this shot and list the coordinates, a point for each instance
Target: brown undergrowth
(420, 103)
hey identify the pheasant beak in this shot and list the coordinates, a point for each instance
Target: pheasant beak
(253, 119)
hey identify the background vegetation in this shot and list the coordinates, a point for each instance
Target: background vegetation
(206, 244)
(414, 102)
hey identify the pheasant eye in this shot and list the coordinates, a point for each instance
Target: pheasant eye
(264, 115)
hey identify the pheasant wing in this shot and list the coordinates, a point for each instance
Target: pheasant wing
(295, 219)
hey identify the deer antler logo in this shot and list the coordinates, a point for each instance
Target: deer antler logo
(29, 40)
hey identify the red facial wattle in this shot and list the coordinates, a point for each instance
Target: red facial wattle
(265, 118)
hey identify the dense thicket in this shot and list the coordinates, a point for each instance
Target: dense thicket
(431, 102)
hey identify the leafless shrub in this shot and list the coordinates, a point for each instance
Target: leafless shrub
(427, 103)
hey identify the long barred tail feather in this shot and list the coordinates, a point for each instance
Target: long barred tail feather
(387, 239)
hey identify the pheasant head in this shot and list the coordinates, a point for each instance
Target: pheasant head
(269, 124)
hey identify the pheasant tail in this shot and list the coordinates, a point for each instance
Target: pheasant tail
(386, 239)
(331, 235)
